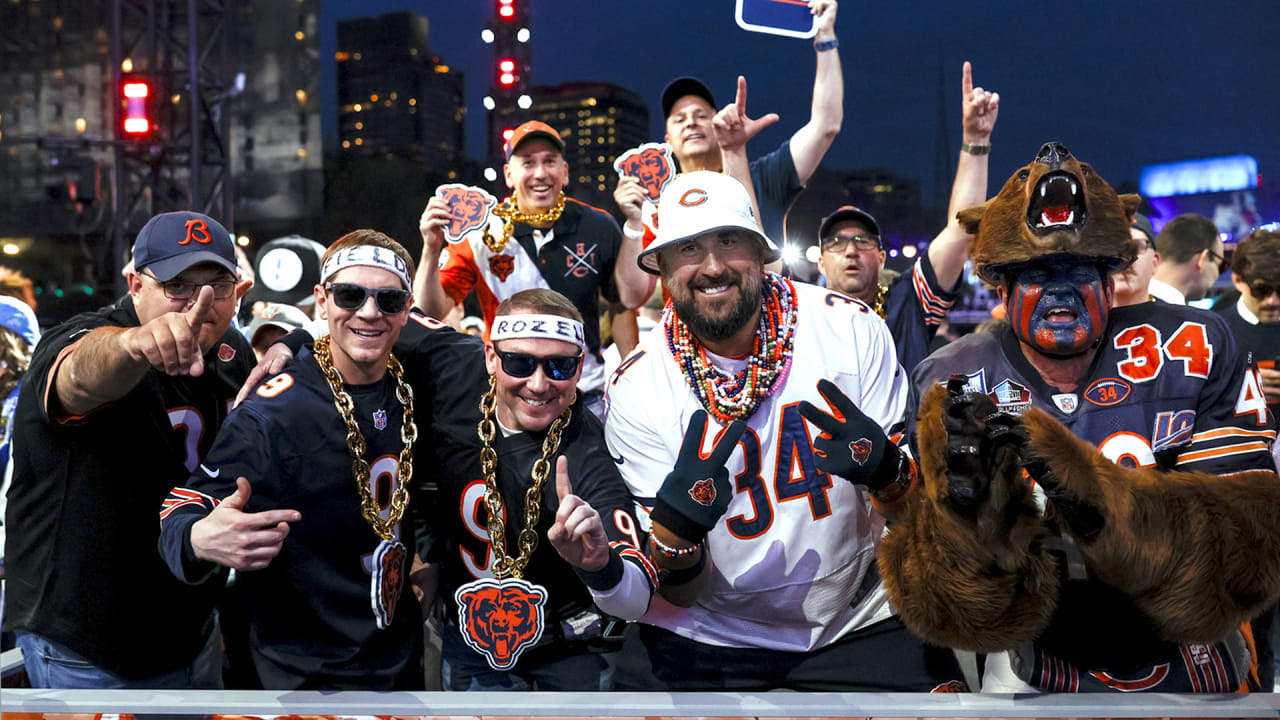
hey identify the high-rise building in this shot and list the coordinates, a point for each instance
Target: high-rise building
(395, 97)
(277, 151)
(597, 121)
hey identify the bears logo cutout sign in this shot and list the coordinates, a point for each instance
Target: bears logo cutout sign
(652, 164)
(469, 207)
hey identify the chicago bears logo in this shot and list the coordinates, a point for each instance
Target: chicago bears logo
(388, 578)
(198, 230)
(861, 450)
(500, 619)
(469, 209)
(693, 197)
(651, 164)
(502, 266)
(226, 353)
(703, 492)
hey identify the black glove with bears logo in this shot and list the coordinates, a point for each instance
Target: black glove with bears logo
(697, 490)
(851, 445)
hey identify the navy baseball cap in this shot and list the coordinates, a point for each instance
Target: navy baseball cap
(682, 86)
(172, 242)
(846, 213)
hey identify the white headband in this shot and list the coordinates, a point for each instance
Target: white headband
(549, 327)
(367, 256)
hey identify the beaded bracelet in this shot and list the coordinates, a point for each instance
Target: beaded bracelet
(668, 551)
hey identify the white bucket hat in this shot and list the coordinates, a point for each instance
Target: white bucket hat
(697, 203)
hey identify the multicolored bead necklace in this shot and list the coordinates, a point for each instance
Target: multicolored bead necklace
(731, 397)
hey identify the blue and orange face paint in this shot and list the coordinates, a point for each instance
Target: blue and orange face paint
(1075, 287)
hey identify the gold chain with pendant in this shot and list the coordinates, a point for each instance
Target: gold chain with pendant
(356, 445)
(511, 215)
(879, 304)
(504, 566)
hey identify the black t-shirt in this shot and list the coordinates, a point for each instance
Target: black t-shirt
(579, 259)
(311, 620)
(81, 550)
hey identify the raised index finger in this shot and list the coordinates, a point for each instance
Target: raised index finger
(741, 100)
(202, 309)
(564, 487)
(836, 398)
(966, 83)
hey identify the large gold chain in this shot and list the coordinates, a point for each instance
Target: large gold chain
(879, 306)
(511, 215)
(356, 445)
(504, 566)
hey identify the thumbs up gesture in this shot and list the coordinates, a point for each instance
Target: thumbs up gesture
(244, 541)
(171, 342)
(577, 534)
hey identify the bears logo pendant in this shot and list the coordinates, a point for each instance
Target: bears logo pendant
(388, 579)
(500, 619)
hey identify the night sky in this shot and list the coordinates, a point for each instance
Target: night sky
(1123, 83)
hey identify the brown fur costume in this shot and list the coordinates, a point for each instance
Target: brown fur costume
(1197, 554)
(1099, 224)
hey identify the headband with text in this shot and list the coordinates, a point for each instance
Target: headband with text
(366, 256)
(549, 327)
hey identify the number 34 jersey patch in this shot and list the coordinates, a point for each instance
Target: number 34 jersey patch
(1170, 387)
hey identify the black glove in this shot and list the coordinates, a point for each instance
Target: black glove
(851, 445)
(697, 490)
(979, 438)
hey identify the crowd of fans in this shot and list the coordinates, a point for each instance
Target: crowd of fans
(647, 461)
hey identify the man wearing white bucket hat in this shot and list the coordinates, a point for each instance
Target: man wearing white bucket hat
(795, 600)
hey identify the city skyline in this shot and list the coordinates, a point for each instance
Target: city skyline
(1124, 84)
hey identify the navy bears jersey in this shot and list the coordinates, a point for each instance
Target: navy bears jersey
(448, 374)
(312, 624)
(1170, 389)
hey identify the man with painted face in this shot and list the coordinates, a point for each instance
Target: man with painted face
(1152, 385)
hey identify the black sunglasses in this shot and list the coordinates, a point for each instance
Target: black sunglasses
(350, 296)
(522, 365)
(1261, 289)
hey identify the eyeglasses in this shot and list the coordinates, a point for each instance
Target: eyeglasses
(521, 365)
(184, 289)
(1220, 260)
(1261, 289)
(350, 296)
(837, 243)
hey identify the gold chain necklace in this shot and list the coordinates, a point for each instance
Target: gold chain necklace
(879, 304)
(511, 215)
(504, 565)
(356, 444)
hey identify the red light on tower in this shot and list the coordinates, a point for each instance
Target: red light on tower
(136, 94)
(506, 72)
(507, 10)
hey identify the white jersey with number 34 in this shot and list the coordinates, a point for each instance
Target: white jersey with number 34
(793, 549)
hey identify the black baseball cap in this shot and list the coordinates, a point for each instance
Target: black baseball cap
(1143, 223)
(172, 242)
(842, 214)
(682, 86)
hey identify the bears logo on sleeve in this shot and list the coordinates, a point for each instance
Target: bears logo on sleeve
(651, 164)
(470, 208)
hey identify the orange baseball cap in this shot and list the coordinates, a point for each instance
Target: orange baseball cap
(530, 130)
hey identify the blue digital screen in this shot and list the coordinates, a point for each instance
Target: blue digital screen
(1220, 174)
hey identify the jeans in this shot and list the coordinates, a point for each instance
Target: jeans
(50, 665)
(464, 669)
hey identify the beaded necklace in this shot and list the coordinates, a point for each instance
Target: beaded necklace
(731, 397)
